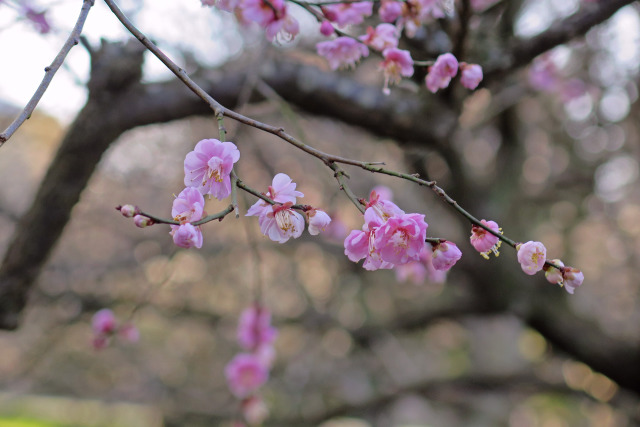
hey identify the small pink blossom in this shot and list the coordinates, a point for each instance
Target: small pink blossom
(208, 167)
(397, 64)
(254, 328)
(483, 241)
(261, 12)
(254, 410)
(444, 255)
(573, 278)
(384, 36)
(104, 322)
(285, 28)
(390, 10)
(383, 207)
(401, 238)
(245, 374)
(188, 206)
(471, 75)
(318, 221)
(543, 74)
(282, 223)
(440, 74)
(348, 13)
(326, 29)
(342, 52)
(360, 244)
(418, 271)
(129, 333)
(552, 274)
(531, 256)
(187, 236)
(281, 190)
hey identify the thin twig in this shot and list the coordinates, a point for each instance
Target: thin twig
(50, 71)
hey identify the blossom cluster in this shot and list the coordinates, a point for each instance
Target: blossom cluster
(105, 326)
(249, 370)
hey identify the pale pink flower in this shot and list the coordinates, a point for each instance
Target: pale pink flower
(342, 52)
(440, 74)
(281, 190)
(483, 241)
(254, 410)
(208, 167)
(360, 244)
(188, 206)
(383, 207)
(543, 74)
(326, 29)
(282, 223)
(266, 354)
(286, 27)
(418, 271)
(384, 36)
(382, 192)
(348, 13)
(471, 75)
(444, 255)
(573, 278)
(401, 238)
(261, 12)
(318, 221)
(553, 275)
(416, 12)
(245, 374)
(397, 63)
(531, 256)
(104, 322)
(254, 328)
(390, 10)
(187, 236)
(129, 333)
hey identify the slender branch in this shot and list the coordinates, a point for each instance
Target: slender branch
(50, 71)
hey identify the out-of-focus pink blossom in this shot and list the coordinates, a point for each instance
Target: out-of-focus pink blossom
(245, 374)
(255, 411)
(326, 29)
(573, 278)
(129, 333)
(440, 74)
(342, 52)
(282, 223)
(397, 64)
(104, 322)
(483, 241)
(208, 167)
(572, 89)
(348, 13)
(416, 12)
(285, 27)
(444, 255)
(401, 238)
(261, 12)
(471, 75)
(543, 74)
(254, 328)
(281, 190)
(318, 221)
(531, 256)
(390, 10)
(384, 36)
(553, 275)
(418, 271)
(38, 19)
(187, 236)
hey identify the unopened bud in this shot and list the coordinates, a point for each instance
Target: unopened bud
(142, 221)
(129, 211)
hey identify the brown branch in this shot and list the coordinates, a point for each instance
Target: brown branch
(49, 71)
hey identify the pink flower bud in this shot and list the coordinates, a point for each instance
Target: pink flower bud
(572, 279)
(483, 241)
(553, 275)
(531, 256)
(142, 221)
(318, 221)
(128, 211)
(445, 255)
(326, 29)
(129, 333)
(471, 75)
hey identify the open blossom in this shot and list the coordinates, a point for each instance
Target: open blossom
(282, 223)
(245, 373)
(342, 52)
(531, 256)
(397, 63)
(383, 207)
(282, 190)
(348, 13)
(444, 255)
(318, 221)
(390, 10)
(286, 27)
(187, 236)
(360, 244)
(440, 74)
(254, 328)
(187, 207)
(471, 75)
(401, 238)
(384, 36)
(572, 278)
(208, 167)
(416, 12)
(483, 241)
(105, 326)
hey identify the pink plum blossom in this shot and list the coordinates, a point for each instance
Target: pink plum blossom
(245, 374)
(187, 207)
(384, 36)
(383, 208)
(208, 167)
(390, 10)
(543, 74)
(471, 75)
(348, 13)
(326, 29)
(444, 255)
(531, 256)
(552, 274)
(286, 27)
(401, 238)
(573, 278)
(129, 333)
(440, 74)
(254, 328)
(483, 241)
(105, 326)
(38, 19)
(417, 12)
(282, 223)
(104, 322)
(383, 192)
(318, 221)
(281, 190)
(187, 236)
(360, 244)
(418, 271)
(397, 64)
(342, 52)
